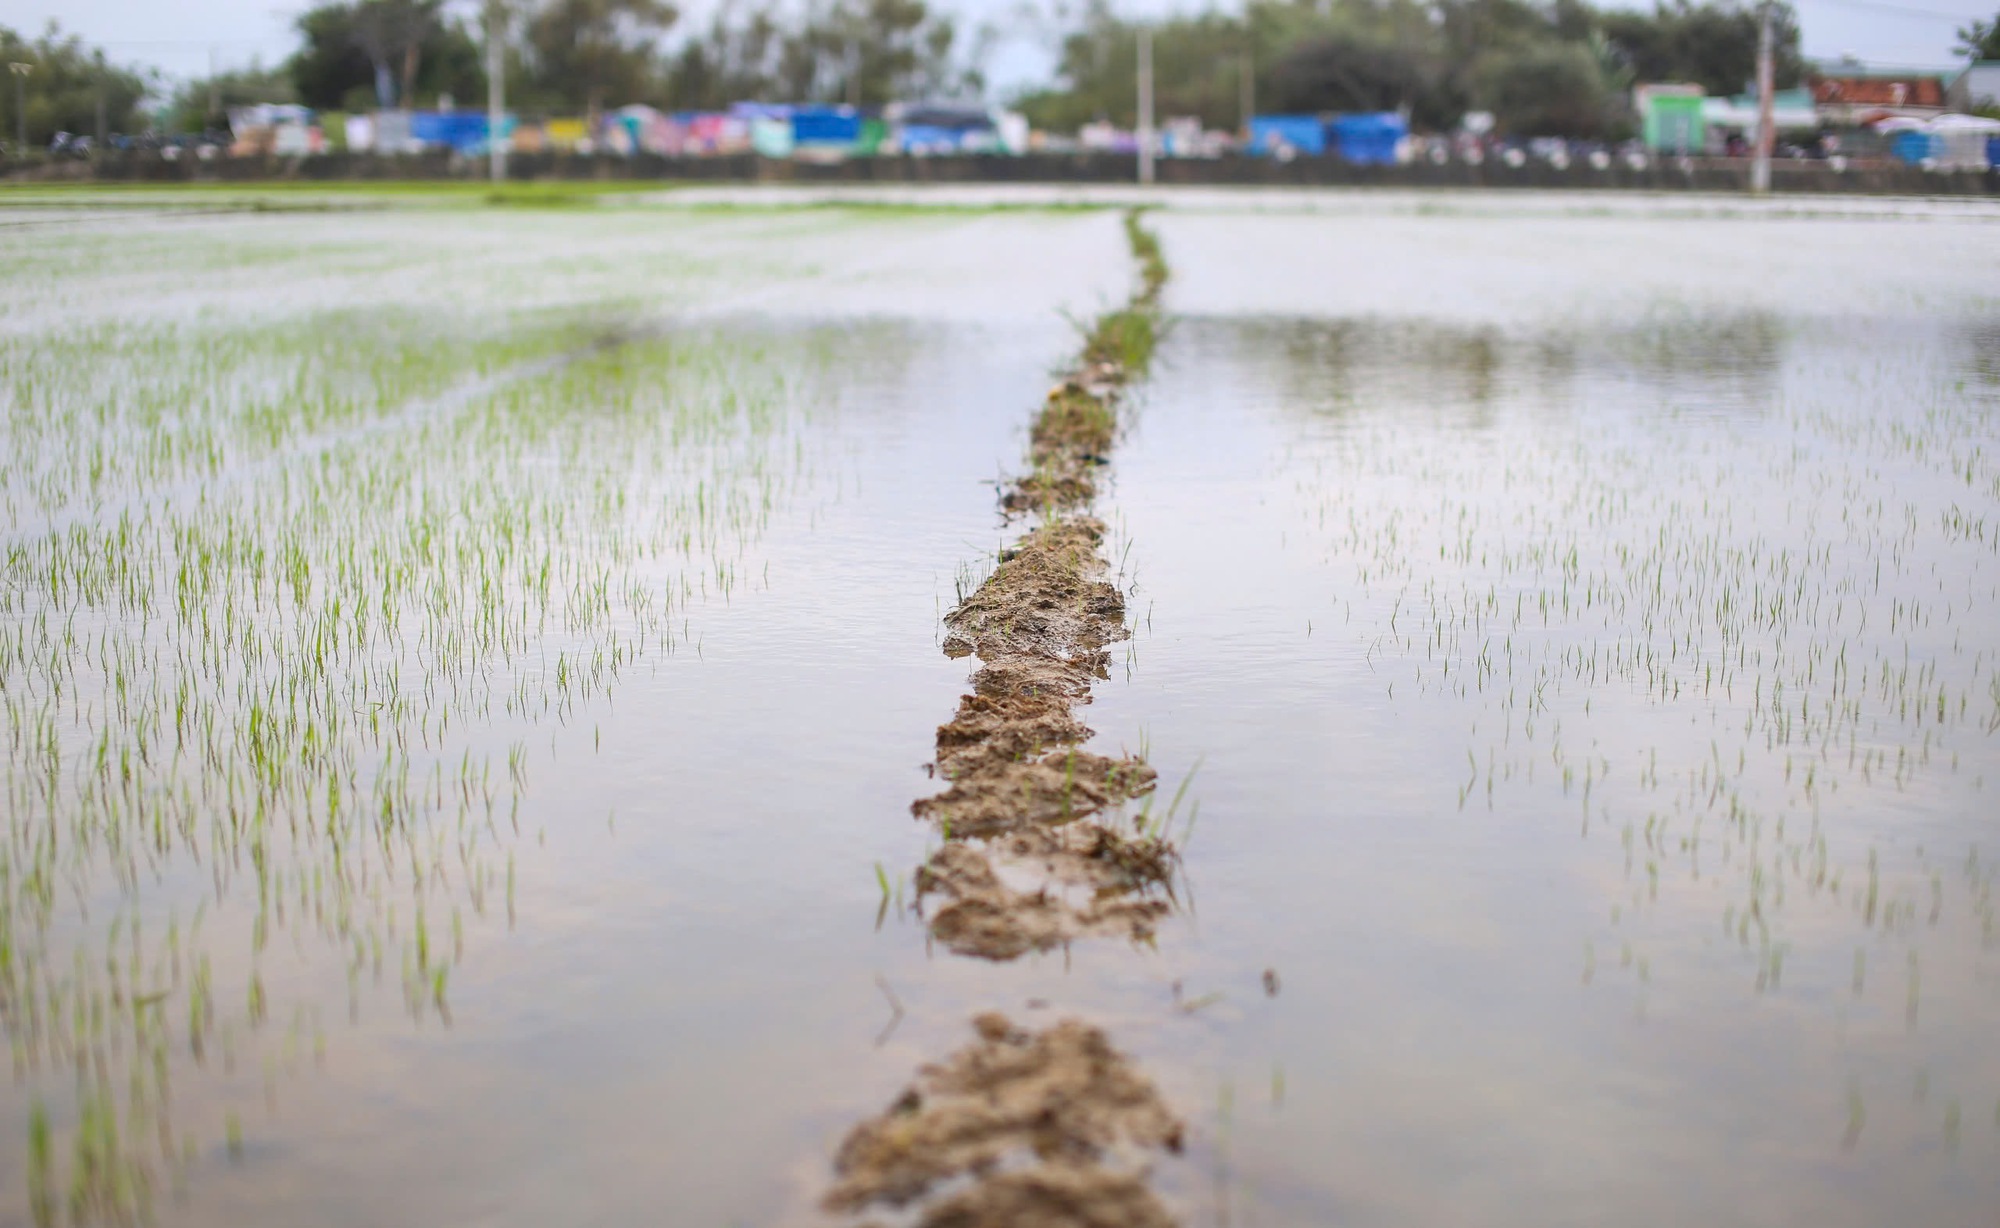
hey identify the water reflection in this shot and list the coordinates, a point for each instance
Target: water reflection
(1982, 342)
(278, 731)
(1612, 714)
(1460, 374)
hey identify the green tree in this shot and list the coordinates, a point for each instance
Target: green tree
(886, 50)
(865, 52)
(1713, 45)
(391, 33)
(1352, 72)
(1979, 40)
(1545, 89)
(732, 61)
(1196, 61)
(330, 65)
(204, 104)
(1474, 32)
(587, 51)
(358, 53)
(66, 84)
(1306, 55)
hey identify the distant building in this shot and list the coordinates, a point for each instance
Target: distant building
(1791, 111)
(1852, 99)
(1977, 86)
(1670, 117)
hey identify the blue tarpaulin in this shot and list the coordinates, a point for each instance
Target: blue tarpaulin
(1914, 147)
(462, 130)
(1369, 140)
(1302, 133)
(826, 126)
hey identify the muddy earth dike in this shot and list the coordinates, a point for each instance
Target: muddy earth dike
(1023, 1127)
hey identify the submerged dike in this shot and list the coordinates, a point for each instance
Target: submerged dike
(1051, 1127)
(1062, 1098)
(1020, 791)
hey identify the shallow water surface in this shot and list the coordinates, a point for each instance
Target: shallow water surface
(467, 674)
(448, 747)
(1597, 727)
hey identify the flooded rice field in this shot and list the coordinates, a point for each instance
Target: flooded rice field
(708, 709)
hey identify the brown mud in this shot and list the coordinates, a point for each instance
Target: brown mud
(1025, 866)
(1043, 1128)
(1051, 1127)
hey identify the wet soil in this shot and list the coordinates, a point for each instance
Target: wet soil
(1091, 881)
(1028, 1128)
(1025, 866)
(1050, 1126)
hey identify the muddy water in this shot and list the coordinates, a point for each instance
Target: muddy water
(1546, 611)
(685, 1004)
(658, 991)
(1464, 547)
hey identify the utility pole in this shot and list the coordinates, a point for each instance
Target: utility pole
(1246, 91)
(1760, 167)
(20, 71)
(214, 92)
(1145, 104)
(496, 89)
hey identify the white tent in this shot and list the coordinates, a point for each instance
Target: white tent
(1965, 140)
(1965, 123)
(1956, 141)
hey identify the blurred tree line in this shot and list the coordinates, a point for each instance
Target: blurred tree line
(63, 86)
(1555, 67)
(1558, 67)
(581, 56)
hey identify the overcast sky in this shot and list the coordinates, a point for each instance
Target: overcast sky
(184, 38)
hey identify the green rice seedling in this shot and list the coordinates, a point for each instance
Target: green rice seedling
(1180, 795)
(1125, 338)
(41, 1168)
(271, 586)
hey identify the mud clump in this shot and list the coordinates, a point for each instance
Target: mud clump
(1054, 1196)
(1004, 727)
(1070, 439)
(991, 795)
(1041, 624)
(1073, 880)
(1050, 1127)
(1048, 599)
